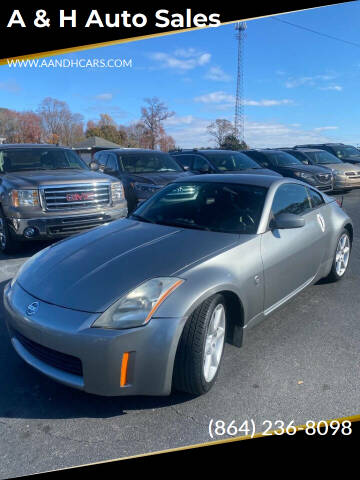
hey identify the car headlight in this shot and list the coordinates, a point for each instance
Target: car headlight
(117, 192)
(145, 187)
(25, 198)
(308, 177)
(137, 307)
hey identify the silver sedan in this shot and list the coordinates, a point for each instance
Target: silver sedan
(144, 305)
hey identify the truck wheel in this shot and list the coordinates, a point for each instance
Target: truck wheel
(7, 243)
(341, 257)
(200, 348)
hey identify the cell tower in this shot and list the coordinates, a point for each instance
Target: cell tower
(240, 28)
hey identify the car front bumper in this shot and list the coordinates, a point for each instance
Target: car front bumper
(61, 344)
(48, 226)
(343, 182)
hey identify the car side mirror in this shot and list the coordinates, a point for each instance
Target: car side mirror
(186, 168)
(306, 162)
(94, 166)
(285, 221)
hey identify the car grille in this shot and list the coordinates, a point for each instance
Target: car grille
(56, 359)
(76, 196)
(353, 174)
(324, 177)
(72, 225)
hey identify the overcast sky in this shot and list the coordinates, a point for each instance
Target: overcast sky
(299, 86)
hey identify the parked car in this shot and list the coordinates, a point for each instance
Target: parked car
(48, 192)
(346, 175)
(218, 161)
(142, 172)
(346, 153)
(289, 166)
(144, 305)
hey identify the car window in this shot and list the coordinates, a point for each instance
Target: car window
(39, 158)
(259, 158)
(291, 198)
(282, 159)
(149, 162)
(231, 161)
(102, 158)
(315, 198)
(324, 157)
(184, 160)
(112, 163)
(218, 207)
(299, 155)
(199, 162)
(73, 159)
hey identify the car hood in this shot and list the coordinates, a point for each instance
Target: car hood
(158, 178)
(354, 158)
(37, 178)
(254, 171)
(312, 169)
(344, 167)
(89, 272)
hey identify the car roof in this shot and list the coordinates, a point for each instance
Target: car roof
(242, 179)
(205, 151)
(305, 149)
(264, 150)
(329, 144)
(30, 145)
(128, 151)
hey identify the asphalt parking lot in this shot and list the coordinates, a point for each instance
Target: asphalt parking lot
(313, 340)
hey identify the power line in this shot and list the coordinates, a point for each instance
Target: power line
(354, 44)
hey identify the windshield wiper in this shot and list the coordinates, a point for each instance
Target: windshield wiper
(184, 225)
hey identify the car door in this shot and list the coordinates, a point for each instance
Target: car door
(291, 257)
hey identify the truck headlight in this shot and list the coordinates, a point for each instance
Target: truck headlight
(117, 192)
(137, 307)
(25, 198)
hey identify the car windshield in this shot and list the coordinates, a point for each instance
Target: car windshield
(282, 159)
(149, 163)
(323, 157)
(231, 161)
(217, 207)
(346, 151)
(19, 159)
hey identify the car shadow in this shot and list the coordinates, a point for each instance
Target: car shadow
(26, 393)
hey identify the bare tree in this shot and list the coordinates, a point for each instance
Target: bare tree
(59, 123)
(153, 115)
(220, 129)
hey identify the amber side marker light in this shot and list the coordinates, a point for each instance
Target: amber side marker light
(124, 367)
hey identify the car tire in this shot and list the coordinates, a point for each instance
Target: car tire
(7, 243)
(341, 257)
(200, 348)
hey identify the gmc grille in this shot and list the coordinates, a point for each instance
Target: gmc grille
(74, 197)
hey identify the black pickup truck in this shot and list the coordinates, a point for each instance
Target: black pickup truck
(47, 192)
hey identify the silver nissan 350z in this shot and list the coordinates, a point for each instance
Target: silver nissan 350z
(144, 305)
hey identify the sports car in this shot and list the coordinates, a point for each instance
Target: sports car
(144, 305)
